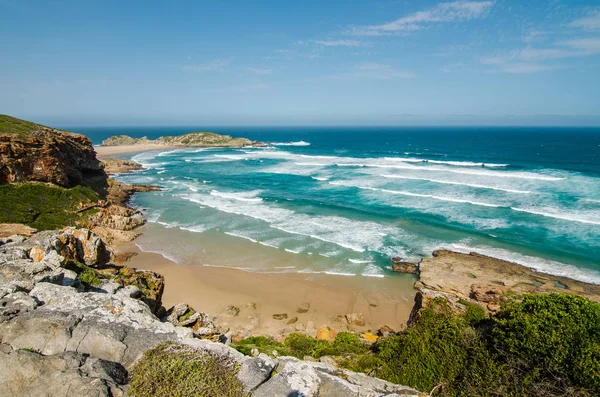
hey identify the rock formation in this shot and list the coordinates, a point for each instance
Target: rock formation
(32, 152)
(61, 336)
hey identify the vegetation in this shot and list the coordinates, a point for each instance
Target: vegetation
(172, 369)
(542, 345)
(16, 127)
(300, 346)
(85, 274)
(43, 206)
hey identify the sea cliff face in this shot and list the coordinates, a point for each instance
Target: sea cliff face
(197, 139)
(32, 152)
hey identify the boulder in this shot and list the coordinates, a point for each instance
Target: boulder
(280, 316)
(315, 379)
(303, 308)
(326, 333)
(14, 229)
(401, 266)
(27, 373)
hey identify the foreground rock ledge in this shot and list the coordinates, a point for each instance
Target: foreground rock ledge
(58, 339)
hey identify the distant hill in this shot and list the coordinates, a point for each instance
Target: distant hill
(193, 139)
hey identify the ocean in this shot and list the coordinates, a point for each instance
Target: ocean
(345, 200)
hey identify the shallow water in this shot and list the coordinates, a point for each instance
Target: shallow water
(345, 200)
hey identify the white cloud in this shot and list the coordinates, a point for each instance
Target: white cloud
(442, 12)
(338, 43)
(531, 59)
(215, 65)
(376, 71)
(259, 70)
(591, 22)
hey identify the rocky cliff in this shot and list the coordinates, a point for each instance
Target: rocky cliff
(198, 139)
(66, 333)
(32, 152)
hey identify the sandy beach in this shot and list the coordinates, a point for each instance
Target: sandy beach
(382, 301)
(107, 151)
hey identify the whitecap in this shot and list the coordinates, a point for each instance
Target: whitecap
(477, 186)
(299, 143)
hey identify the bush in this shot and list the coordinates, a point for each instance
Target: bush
(42, 206)
(555, 336)
(263, 344)
(299, 345)
(177, 370)
(346, 342)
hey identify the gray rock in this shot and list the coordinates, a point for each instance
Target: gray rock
(130, 291)
(25, 373)
(301, 378)
(14, 304)
(255, 371)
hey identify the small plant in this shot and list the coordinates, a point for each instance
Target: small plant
(172, 369)
(263, 344)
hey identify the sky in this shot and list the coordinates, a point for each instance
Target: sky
(350, 62)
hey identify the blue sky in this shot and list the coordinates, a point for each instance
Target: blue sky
(306, 62)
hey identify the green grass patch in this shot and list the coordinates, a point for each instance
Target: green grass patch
(16, 127)
(172, 369)
(43, 206)
(85, 273)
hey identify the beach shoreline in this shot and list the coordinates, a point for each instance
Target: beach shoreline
(258, 296)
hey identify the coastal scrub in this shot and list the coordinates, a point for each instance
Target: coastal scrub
(172, 369)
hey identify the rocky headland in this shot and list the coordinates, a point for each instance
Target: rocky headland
(193, 139)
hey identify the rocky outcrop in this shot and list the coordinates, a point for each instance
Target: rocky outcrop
(401, 266)
(197, 139)
(312, 379)
(28, 373)
(119, 166)
(30, 152)
(460, 279)
(11, 229)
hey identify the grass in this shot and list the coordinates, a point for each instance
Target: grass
(43, 206)
(172, 369)
(300, 346)
(17, 127)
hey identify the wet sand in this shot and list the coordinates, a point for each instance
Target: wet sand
(382, 301)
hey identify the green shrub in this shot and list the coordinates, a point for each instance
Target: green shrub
(300, 345)
(43, 206)
(553, 336)
(263, 344)
(177, 370)
(346, 342)
(85, 273)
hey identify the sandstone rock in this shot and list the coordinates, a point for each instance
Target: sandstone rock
(25, 373)
(326, 333)
(119, 166)
(280, 316)
(486, 293)
(45, 154)
(37, 253)
(385, 331)
(293, 320)
(92, 249)
(356, 319)
(303, 308)
(14, 229)
(400, 266)
(369, 337)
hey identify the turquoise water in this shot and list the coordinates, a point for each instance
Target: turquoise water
(348, 199)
